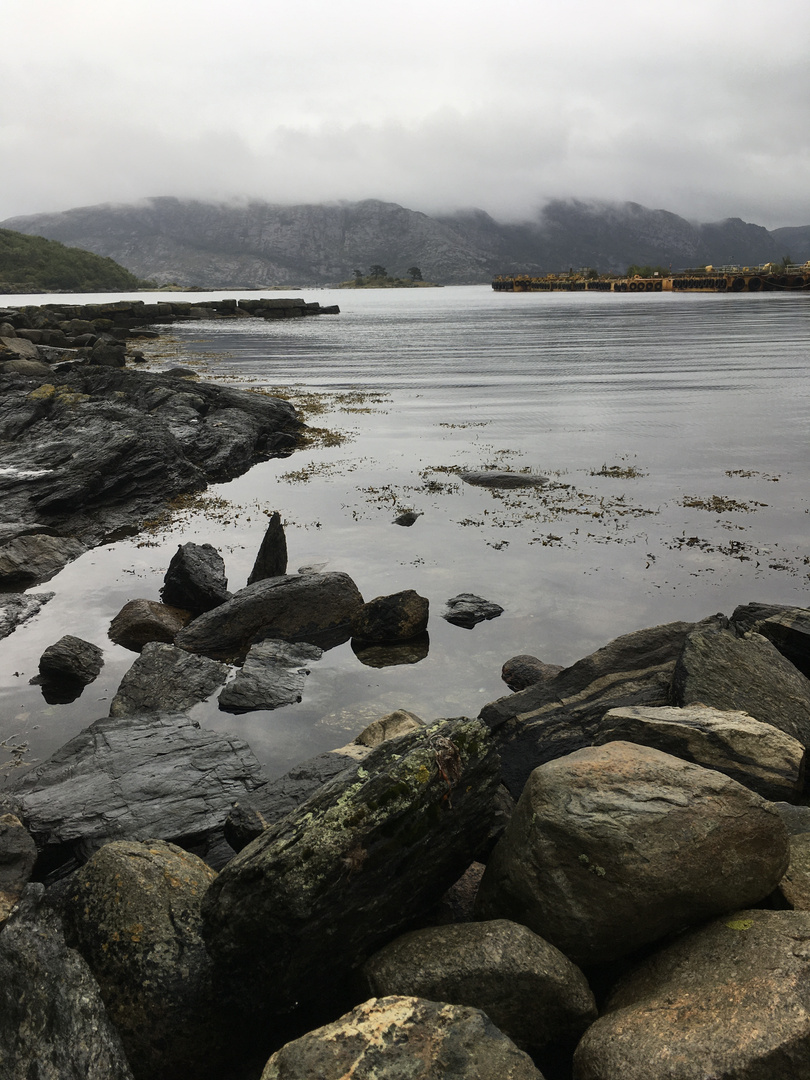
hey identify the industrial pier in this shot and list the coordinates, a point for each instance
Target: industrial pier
(723, 279)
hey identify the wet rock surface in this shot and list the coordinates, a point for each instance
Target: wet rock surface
(142, 621)
(195, 580)
(166, 679)
(387, 619)
(16, 608)
(468, 610)
(273, 675)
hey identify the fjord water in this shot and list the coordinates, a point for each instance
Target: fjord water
(673, 429)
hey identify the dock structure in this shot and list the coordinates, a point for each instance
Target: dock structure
(722, 279)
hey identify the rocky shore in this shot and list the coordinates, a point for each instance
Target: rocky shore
(603, 875)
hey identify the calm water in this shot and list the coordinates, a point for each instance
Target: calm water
(673, 428)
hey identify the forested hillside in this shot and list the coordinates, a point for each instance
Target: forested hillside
(33, 264)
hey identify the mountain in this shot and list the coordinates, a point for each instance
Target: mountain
(256, 244)
(31, 264)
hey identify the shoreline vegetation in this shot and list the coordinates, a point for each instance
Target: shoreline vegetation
(379, 278)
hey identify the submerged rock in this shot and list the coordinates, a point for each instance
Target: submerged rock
(272, 675)
(467, 610)
(493, 478)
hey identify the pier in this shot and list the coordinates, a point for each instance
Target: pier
(722, 279)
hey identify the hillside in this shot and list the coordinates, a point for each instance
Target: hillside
(33, 264)
(257, 244)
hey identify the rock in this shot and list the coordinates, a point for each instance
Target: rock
(399, 617)
(408, 517)
(501, 479)
(613, 847)
(467, 609)
(107, 354)
(403, 1037)
(272, 675)
(458, 903)
(133, 911)
(21, 347)
(728, 1000)
(796, 819)
(388, 727)
(53, 1024)
(787, 628)
(71, 658)
(195, 580)
(528, 989)
(166, 679)
(317, 608)
(272, 558)
(132, 778)
(794, 888)
(141, 621)
(524, 670)
(351, 866)
(28, 559)
(18, 853)
(757, 755)
(17, 608)
(22, 366)
(748, 674)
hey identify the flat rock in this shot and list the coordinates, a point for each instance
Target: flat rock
(528, 989)
(468, 610)
(134, 778)
(141, 621)
(757, 755)
(493, 478)
(17, 608)
(273, 675)
(403, 1037)
(614, 847)
(27, 559)
(166, 679)
(195, 579)
(730, 1000)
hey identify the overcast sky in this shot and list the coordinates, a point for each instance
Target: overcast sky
(696, 106)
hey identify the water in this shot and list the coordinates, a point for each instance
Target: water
(673, 430)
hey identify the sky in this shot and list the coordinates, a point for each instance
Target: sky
(700, 107)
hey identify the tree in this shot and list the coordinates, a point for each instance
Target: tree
(414, 273)
(358, 273)
(377, 271)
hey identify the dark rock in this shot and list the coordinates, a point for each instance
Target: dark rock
(745, 674)
(133, 911)
(408, 517)
(132, 778)
(466, 610)
(614, 847)
(524, 670)
(404, 652)
(385, 619)
(71, 658)
(272, 558)
(403, 1037)
(166, 679)
(796, 818)
(351, 866)
(494, 479)
(310, 608)
(16, 608)
(758, 756)
(53, 1024)
(106, 354)
(141, 621)
(27, 559)
(272, 675)
(195, 580)
(527, 988)
(18, 853)
(787, 628)
(388, 727)
(794, 888)
(727, 1000)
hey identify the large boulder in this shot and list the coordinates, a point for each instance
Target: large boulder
(141, 621)
(133, 778)
(759, 756)
(53, 1023)
(398, 617)
(403, 1038)
(133, 911)
(166, 679)
(273, 674)
(613, 847)
(748, 674)
(527, 988)
(310, 898)
(317, 608)
(195, 579)
(730, 1000)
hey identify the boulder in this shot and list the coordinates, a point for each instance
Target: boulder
(302, 905)
(524, 670)
(747, 674)
(388, 727)
(17, 608)
(399, 617)
(317, 608)
(272, 558)
(71, 658)
(18, 853)
(195, 580)
(787, 628)
(272, 675)
(757, 755)
(53, 1024)
(527, 988)
(494, 478)
(613, 847)
(730, 1000)
(132, 778)
(133, 911)
(405, 1037)
(166, 679)
(141, 621)
(794, 888)
(27, 559)
(468, 610)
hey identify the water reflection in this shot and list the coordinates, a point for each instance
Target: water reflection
(381, 656)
